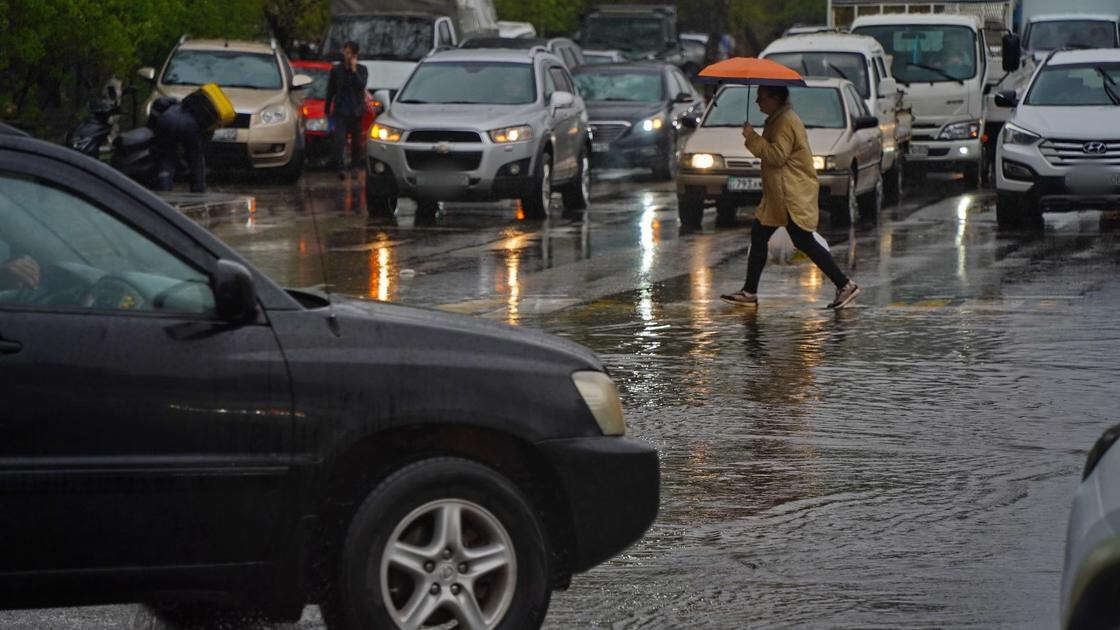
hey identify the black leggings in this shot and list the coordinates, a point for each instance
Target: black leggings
(802, 239)
(352, 126)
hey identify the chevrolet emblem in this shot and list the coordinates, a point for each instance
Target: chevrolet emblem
(442, 148)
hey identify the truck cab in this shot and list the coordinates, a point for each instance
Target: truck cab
(861, 60)
(941, 61)
(641, 32)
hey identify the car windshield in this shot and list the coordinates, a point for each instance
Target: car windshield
(1074, 85)
(392, 37)
(595, 58)
(319, 78)
(1071, 33)
(226, 68)
(817, 107)
(475, 83)
(850, 66)
(625, 33)
(639, 87)
(927, 53)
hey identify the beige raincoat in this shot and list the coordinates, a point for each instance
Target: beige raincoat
(789, 181)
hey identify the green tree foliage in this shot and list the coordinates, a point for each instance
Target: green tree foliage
(547, 16)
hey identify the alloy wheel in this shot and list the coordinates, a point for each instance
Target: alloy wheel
(448, 558)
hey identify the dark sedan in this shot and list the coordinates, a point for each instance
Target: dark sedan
(635, 111)
(180, 430)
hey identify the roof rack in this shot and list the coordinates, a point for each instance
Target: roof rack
(184, 38)
(536, 49)
(272, 42)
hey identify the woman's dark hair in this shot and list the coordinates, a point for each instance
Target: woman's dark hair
(352, 46)
(779, 92)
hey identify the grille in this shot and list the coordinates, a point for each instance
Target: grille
(608, 132)
(744, 164)
(443, 135)
(925, 131)
(433, 161)
(1069, 152)
(241, 121)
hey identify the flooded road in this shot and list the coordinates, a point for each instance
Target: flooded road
(907, 462)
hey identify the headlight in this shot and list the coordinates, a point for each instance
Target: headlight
(274, 115)
(520, 133)
(601, 396)
(653, 124)
(317, 124)
(702, 160)
(385, 134)
(824, 162)
(1013, 134)
(960, 131)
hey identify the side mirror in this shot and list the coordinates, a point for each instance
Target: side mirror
(301, 82)
(383, 97)
(887, 88)
(683, 97)
(1012, 51)
(148, 74)
(235, 297)
(562, 99)
(1007, 98)
(690, 122)
(865, 122)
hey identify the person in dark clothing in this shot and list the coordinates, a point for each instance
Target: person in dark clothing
(346, 102)
(176, 127)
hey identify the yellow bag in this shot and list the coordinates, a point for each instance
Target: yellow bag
(210, 106)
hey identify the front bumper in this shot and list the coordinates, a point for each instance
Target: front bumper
(713, 185)
(1046, 188)
(484, 166)
(613, 486)
(256, 147)
(945, 153)
(633, 148)
(1092, 550)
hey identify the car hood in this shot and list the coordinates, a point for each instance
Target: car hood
(245, 101)
(1074, 123)
(728, 141)
(439, 331)
(387, 75)
(600, 110)
(482, 117)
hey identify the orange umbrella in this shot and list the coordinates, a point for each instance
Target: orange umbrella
(750, 71)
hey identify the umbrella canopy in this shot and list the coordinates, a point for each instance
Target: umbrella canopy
(750, 71)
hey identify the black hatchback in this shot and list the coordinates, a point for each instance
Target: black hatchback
(177, 428)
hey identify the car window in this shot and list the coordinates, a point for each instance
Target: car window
(389, 37)
(816, 106)
(549, 85)
(882, 67)
(88, 258)
(567, 56)
(617, 84)
(857, 104)
(1072, 33)
(932, 53)
(226, 68)
(850, 66)
(560, 79)
(676, 84)
(1076, 85)
(445, 34)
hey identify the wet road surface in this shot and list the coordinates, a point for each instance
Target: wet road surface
(908, 462)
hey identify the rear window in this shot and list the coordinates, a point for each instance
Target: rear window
(850, 66)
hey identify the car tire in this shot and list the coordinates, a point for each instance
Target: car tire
(293, 170)
(1013, 211)
(381, 205)
(539, 199)
(395, 528)
(577, 195)
(973, 174)
(892, 182)
(870, 203)
(690, 209)
(845, 209)
(666, 169)
(427, 211)
(727, 214)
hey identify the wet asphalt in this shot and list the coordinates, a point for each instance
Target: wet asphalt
(906, 462)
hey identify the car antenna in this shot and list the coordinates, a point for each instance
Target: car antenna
(332, 321)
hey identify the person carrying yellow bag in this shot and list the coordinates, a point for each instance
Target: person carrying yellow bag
(189, 124)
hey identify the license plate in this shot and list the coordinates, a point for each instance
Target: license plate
(600, 147)
(225, 135)
(442, 180)
(919, 150)
(740, 184)
(1092, 181)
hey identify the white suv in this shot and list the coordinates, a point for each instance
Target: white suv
(482, 125)
(1060, 150)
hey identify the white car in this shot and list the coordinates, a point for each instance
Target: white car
(1060, 150)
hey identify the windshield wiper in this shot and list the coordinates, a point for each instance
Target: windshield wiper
(937, 70)
(839, 71)
(244, 85)
(411, 101)
(1108, 81)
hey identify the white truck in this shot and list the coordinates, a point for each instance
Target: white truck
(394, 35)
(862, 61)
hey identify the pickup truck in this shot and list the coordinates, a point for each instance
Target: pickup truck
(861, 60)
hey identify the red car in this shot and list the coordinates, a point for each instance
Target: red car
(313, 109)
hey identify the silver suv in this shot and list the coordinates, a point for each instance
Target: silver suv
(482, 125)
(1060, 150)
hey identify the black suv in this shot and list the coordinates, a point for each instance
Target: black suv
(177, 429)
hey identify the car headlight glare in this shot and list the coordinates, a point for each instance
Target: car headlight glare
(383, 133)
(1013, 134)
(520, 133)
(960, 131)
(703, 161)
(274, 115)
(317, 124)
(601, 396)
(653, 124)
(824, 162)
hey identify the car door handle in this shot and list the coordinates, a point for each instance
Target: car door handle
(10, 347)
